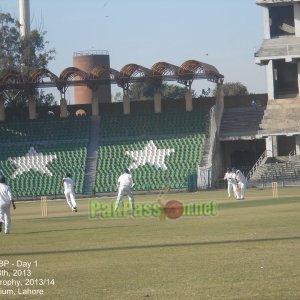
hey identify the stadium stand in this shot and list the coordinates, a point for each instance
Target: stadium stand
(283, 169)
(183, 133)
(52, 146)
(48, 129)
(143, 123)
(281, 116)
(36, 154)
(241, 121)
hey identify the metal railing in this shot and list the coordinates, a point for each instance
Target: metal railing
(261, 160)
(91, 52)
(292, 153)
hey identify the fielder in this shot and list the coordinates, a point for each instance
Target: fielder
(241, 181)
(227, 177)
(125, 185)
(69, 185)
(6, 198)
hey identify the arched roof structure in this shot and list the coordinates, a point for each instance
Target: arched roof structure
(192, 69)
(134, 70)
(68, 76)
(131, 73)
(159, 72)
(37, 75)
(70, 73)
(10, 77)
(162, 71)
(164, 68)
(104, 72)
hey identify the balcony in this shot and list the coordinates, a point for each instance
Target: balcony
(275, 2)
(287, 48)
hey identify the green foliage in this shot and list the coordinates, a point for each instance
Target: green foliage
(140, 90)
(118, 97)
(22, 54)
(173, 91)
(34, 54)
(46, 99)
(146, 91)
(233, 89)
(10, 56)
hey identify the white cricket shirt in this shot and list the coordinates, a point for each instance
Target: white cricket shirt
(125, 180)
(68, 184)
(5, 194)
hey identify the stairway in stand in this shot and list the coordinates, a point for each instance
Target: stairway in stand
(92, 155)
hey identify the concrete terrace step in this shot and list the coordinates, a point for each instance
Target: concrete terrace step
(288, 114)
(288, 39)
(279, 46)
(242, 121)
(281, 116)
(92, 155)
(287, 106)
(278, 131)
(283, 168)
(284, 101)
(280, 123)
(292, 158)
(242, 116)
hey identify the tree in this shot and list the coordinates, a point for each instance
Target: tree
(46, 99)
(118, 97)
(10, 56)
(144, 90)
(173, 91)
(233, 89)
(23, 54)
(140, 90)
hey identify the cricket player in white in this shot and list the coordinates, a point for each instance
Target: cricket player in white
(241, 181)
(234, 183)
(6, 198)
(69, 185)
(125, 185)
(227, 177)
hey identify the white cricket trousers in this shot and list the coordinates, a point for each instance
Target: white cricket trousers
(70, 197)
(241, 194)
(235, 192)
(125, 190)
(5, 216)
(229, 189)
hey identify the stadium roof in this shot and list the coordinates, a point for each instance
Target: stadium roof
(159, 72)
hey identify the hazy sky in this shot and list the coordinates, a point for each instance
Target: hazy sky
(221, 33)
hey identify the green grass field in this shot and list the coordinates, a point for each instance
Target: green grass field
(249, 250)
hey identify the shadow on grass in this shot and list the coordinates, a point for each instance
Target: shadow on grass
(258, 203)
(137, 247)
(76, 229)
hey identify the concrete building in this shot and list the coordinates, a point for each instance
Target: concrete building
(280, 53)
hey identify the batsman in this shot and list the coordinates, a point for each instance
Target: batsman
(241, 185)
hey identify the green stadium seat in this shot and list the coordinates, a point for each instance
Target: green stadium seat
(183, 131)
(65, 138)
